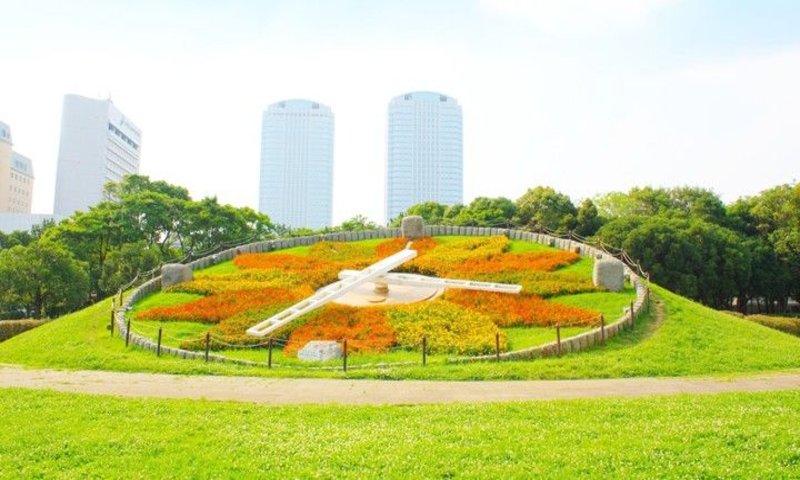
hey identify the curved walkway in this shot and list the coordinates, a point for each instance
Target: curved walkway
(305, 391)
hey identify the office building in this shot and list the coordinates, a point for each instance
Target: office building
(296, 184)
(16, 176)
(424, 160)
(99, 144)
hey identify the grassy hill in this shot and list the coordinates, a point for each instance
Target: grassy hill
(691, 340)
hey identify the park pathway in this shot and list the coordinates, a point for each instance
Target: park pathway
(360, 392)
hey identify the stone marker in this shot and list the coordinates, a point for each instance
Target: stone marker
(609, 274)
(413, 227)
(317, 350)
(175, 273)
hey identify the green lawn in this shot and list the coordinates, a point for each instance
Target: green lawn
(48, 434)
(610, 304)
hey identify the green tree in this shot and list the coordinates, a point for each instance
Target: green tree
(543, 207)
(15, 238)
(432, 212)
(487, 212)
(588, 220)
(41, 280)
(358, 223)
(125, 263)
(776, 214)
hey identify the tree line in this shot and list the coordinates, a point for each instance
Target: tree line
(686, 238)
(56, 269)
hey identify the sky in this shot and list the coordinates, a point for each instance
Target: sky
(581, 95)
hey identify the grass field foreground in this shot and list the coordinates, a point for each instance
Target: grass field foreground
(690, 436)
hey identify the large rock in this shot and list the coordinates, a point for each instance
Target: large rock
(319, 351)
(609, 274)
(412, 227)
(175, 273)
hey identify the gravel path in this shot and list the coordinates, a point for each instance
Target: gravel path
(322, 391)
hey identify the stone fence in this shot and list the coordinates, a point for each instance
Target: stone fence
(571, 344)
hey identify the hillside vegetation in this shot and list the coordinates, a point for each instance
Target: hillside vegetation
(691, 340)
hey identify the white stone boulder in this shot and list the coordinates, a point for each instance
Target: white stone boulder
(175, 273)
(412, 227)
(609, 274)
(320, 351)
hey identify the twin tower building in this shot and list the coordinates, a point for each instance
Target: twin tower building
(424, 158)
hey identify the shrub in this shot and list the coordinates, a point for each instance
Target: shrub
(784, 324)
(522, 310)
(11, 328)
(366, 329)
(450, 328)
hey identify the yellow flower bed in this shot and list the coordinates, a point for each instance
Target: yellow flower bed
(450, 328)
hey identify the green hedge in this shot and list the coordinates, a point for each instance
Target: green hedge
(784, 324)
(10, 328)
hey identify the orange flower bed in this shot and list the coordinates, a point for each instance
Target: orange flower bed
(282, 261)
(366, 329)
(522, 310)
(390, 247)
(218, 307)
(511, 262)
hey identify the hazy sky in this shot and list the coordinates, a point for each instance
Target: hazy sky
(583, 95)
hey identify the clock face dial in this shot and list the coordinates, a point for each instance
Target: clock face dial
(376, 285)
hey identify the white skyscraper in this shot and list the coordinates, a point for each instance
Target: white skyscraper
(424, 160)
(98, 145)
(296, 187)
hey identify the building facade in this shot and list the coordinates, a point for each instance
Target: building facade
(99, 144)
(296, 182)
(424, 159)
(16, 176)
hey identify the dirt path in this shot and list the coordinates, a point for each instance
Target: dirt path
(304, 391)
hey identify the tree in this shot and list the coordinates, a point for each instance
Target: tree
(684, 202)
(432, 212)
(616, 231)
(41, 280)
(543, 207)
(695, 258)
(776, 214)
(487, 212)
(614, 205)
(588, 220)
(124, 263)
(358, 223)
(15, 238)
(699, 203)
